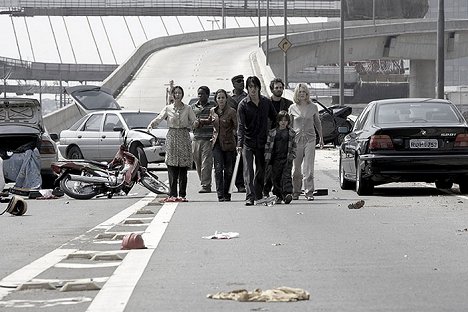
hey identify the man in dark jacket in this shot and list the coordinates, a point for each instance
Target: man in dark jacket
(252, 115)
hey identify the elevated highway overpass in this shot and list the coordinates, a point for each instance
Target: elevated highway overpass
(413, 40)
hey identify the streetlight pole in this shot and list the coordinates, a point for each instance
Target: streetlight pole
(223, 17)
(342, 53)
(285, 56)
(440, 51)
(259, 26)
(267, 32)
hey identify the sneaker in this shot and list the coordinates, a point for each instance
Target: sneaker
(295, 196)
(288, 198)
(227, 198)
(221, 199)
(309, 198)
(249, 202)
(181, 199)
(241, 189)
(205, 190)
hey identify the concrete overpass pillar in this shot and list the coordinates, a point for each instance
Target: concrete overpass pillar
(422, 80)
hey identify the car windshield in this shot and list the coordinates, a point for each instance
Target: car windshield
(96, 100)
(136, 120)
(416, 112)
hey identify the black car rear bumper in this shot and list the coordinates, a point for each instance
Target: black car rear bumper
(413, 168)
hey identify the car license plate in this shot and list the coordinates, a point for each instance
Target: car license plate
(424, 143)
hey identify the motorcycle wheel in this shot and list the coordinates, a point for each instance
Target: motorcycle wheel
(78, 190)
(152, 183)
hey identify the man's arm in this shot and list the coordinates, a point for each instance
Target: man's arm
(240, 126)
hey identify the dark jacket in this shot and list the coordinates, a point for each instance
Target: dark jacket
(224, 127)
(283, 105)
(252, 121)
(269, 146)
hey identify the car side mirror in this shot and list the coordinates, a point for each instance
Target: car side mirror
(54, 136)
(343, 130)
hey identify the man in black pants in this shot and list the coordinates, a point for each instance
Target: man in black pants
(238, 94)
(253, 114)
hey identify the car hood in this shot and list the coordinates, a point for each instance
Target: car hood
(19, 115)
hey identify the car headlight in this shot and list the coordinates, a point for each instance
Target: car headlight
(154, 142)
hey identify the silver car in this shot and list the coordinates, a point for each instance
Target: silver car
(22, 126)
(98, 135)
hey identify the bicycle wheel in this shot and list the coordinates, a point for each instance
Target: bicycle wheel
(152, 183)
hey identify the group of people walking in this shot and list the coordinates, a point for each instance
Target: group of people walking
(274, 137)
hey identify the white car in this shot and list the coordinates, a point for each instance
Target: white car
(98, 135)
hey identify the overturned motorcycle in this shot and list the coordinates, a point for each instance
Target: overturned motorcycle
(85, 179)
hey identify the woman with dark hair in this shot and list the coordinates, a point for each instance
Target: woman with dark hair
(224, 120)
(180, 118)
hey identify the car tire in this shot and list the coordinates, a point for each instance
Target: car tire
(74, 152)
(443, 185)
(345, 184)
(140, 154)
(463, 186)
(363, 186)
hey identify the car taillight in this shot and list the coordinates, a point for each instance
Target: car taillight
(461, 140)
(380, 142)
(47, 147)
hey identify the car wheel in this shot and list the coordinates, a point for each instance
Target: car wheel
(74, 153)
(463, 187)
(140, 153)
(345, 184)
(443, 185)
(363, 186)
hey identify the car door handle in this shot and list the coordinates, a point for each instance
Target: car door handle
(103, 136)
(79, 137)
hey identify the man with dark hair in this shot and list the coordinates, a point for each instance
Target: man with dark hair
(253, 114)
(280, 104)
(238, 94)
(201, 146)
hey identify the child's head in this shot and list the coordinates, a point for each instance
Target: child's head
(282, 119)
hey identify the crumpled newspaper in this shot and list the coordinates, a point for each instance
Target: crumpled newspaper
(222, 235)
(280, 294)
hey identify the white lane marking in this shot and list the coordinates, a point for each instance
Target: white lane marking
(32, 270)
(83, 280)
(43, 303)
(38, 266)
(115, 294)
(86, 265)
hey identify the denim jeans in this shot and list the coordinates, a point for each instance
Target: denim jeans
(223, 164)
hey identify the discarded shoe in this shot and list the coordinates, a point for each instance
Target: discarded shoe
(288, 198)
(16, 206)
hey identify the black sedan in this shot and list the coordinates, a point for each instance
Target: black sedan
(406, 140)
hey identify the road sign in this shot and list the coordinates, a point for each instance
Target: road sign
(284, 44)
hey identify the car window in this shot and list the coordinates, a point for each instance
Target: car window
(93, 123)
(111, 121)
(77, 124)
(416, 112)
(362, 119)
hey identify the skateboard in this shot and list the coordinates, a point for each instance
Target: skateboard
(266, 201)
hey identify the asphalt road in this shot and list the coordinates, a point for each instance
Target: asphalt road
(405, 250)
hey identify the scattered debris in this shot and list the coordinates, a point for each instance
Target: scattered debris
(280, 294)
(276, 244)
(357, 205)
(300, 213)
(222, 235)
(133, 241)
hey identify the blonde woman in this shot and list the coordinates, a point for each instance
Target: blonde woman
(304, 121)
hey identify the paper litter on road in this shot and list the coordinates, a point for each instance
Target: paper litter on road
(280, 294)
(222, 235)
